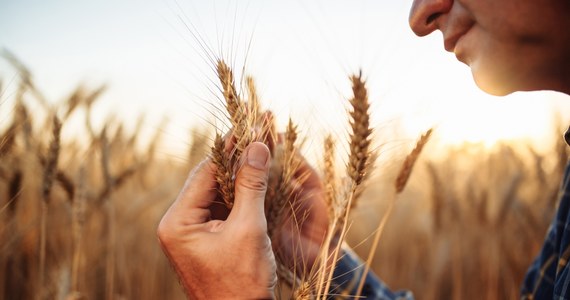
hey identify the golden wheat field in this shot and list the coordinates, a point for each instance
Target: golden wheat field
(78, 219)
(81, 196)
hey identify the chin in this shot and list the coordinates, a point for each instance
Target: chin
(506, 85)
(498, 79)
(493, 87)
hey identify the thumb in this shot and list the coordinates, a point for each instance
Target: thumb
(251, 184)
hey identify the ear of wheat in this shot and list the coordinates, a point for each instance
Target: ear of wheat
(410, 161)
(244, 119)
(330, 176)
(361, 157)
(224, 175)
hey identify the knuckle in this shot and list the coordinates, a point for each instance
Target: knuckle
(164, 232)
(252, 180)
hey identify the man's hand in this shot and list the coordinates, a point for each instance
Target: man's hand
(305, 227)
(222, 259)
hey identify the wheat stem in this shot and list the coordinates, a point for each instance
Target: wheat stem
(77, 222)
(343, 232)
(374, 246)
(401, 181)
(106, 196)
(49, 174)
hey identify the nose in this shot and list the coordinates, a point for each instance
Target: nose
(424, 15)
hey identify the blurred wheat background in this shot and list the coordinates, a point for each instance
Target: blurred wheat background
(82, 192)
(79, 219)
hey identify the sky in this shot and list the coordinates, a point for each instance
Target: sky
(156, 58)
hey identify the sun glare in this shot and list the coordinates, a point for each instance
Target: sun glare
(488, 120)
(489, 123)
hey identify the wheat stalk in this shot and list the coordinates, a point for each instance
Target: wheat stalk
(106, 196)
(233, 105)
(253, 104)
(358, 164)
(303, 292)
(289, 166)
(23, 118)
(77, 223)
(410, 161)
(50, 170)
(357, 168)
(362, 187)
(223, 171)
(283, 273)
(359, 161)
(66, 183)
(14, 190)
(330, 177)
(8, 139)
(333, 205)
(237, 110)
(26, 82)
(242, 127)
(400, 183)
(21, 123)
(268, 132)
(88, 103)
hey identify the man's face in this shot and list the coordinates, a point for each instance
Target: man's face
(510, 45)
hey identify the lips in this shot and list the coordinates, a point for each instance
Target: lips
(451, 39)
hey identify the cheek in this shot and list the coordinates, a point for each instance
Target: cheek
(510, 53)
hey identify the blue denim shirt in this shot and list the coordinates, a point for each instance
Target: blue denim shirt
(549, 275)
(547, 278)
(346, 278)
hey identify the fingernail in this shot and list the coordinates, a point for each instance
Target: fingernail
(257, 155)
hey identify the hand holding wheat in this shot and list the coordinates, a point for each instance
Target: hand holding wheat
(222, 259)
(305, 225)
